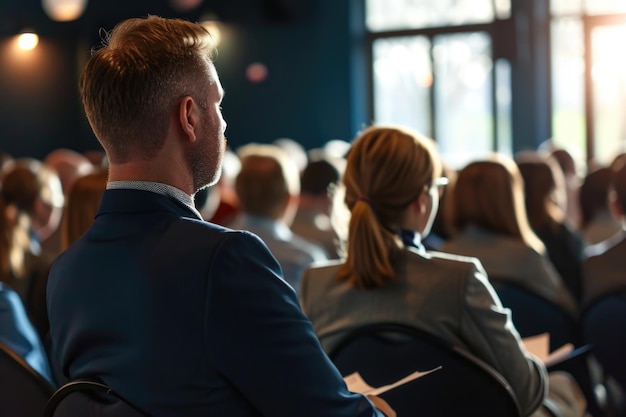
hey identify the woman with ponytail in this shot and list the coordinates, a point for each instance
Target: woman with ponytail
(391, 184)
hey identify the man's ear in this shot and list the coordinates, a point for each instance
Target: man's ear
(188, 117)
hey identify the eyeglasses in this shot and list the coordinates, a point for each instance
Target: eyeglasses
(441, 183)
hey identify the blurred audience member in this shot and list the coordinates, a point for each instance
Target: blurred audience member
(295, 150)
(97, 157)
(228, 205)
(81, 205)
(5, 160)
(30, 202)
(490, 215)
(312, 220)
(605, 263)
(69, 165)
(268, 186)
(572, 184)
(545, 196)
(597, 222)
(206, 201)
(18, 334)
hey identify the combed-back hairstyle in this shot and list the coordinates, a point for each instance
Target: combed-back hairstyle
(130, 85)
(489, 194)
(268, 176)
(387, 168)
(544, 191)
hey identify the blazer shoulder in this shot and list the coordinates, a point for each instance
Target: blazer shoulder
(450, 261)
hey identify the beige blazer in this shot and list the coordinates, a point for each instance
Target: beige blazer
(603, 268)
(509, 259)
(446, 295)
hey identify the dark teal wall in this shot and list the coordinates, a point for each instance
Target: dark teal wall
(307, 95)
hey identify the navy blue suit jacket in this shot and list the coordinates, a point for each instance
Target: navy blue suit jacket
(185, 318)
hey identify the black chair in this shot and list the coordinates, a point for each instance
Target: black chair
(533, 314)
(87, 398)
(24, 392)
(465, 386)
(604, 327)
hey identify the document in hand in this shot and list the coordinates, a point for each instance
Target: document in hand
(540, 346)
(356, 383)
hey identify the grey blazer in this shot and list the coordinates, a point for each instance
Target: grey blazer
(446, 295)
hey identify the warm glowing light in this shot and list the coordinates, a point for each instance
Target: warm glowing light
(27, 41)
(64, 10)
(256, 72)
(214, 29)
(185, 5)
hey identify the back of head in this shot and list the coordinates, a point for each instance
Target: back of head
(565, 160)
(593, 195)
(318, 175)
(489, 194)
(28, 180)
(128, 92)
(69, 165)
(544, 191)
(81, 206)
(267, 178)
(387, 169)
(30, 194)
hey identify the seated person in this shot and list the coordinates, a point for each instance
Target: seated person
(312, 220)
(604, 264)
(490, 216)
(268, 188)
(19, 335)
(392, 181)
(179, 316)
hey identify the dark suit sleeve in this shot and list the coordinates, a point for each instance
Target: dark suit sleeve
(267, 348)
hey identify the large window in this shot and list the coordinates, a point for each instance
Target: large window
(434, 70)
(589, 78)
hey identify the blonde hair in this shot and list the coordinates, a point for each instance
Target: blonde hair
(131, 83)
(387, 168)
(22, 184)
(489, 194)
(81, 206)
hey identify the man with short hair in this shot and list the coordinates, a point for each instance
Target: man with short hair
(179, 316)
(268, 189)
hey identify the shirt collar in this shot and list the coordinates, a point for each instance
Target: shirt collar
(159, 188)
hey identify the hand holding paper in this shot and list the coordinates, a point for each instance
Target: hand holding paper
(356, 383)
(540, 346)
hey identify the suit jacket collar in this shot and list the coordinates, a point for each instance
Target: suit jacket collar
(137, 201)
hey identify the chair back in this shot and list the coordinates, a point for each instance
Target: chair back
(604, 327)
(24, 392)
(533, 314)
(86, 398)
(465, 386)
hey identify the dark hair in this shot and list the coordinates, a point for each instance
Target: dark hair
(317, 176)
